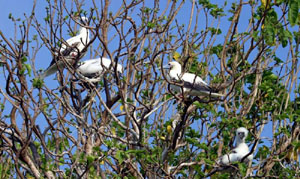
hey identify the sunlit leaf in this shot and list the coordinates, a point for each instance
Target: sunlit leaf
(176, 56)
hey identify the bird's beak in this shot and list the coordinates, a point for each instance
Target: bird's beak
(83, 20)
(163, 68)
(120, 73)
(166, 67)
(241, 135)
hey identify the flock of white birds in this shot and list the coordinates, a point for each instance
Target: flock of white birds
(185, 83)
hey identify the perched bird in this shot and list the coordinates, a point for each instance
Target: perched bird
(240, 151)
(192, 84)
(94, 68)
(71, 49)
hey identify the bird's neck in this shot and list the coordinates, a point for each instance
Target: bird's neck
(239, 141)
(84, 31)
(243, 147)
(175, 73)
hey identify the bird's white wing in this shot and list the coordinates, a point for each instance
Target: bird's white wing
(195, 82)
(192, 78)
(72, 40)
(53, 67)
(57, 62)
(73, 48)
(75, 45)
(90, 68)
(195, 86)
(68, 51)
(237, 154)
(229, 158)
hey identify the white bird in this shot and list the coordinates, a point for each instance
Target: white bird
(192, 84)
(96, 67)
(240, 151)
(70, 50)
(93, 70)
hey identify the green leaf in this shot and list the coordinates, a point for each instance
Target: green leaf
(28, 68)
(242, 168)
(37, 83)
(269, 35)
(296, 144)
(203, 146)
(255, 35)
(293, 11)
(277, 60)
(138, 153)
(90, 159)
(24, 59)
(207, 161)
(119, 156)
(47, 19)
(150, 25)
(176, 56)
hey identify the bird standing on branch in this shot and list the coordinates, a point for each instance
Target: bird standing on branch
(94, 68)
(191, 84)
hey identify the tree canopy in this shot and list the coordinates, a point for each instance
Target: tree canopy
(132, 124)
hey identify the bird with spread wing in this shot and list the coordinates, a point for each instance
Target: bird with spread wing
(71, 50)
